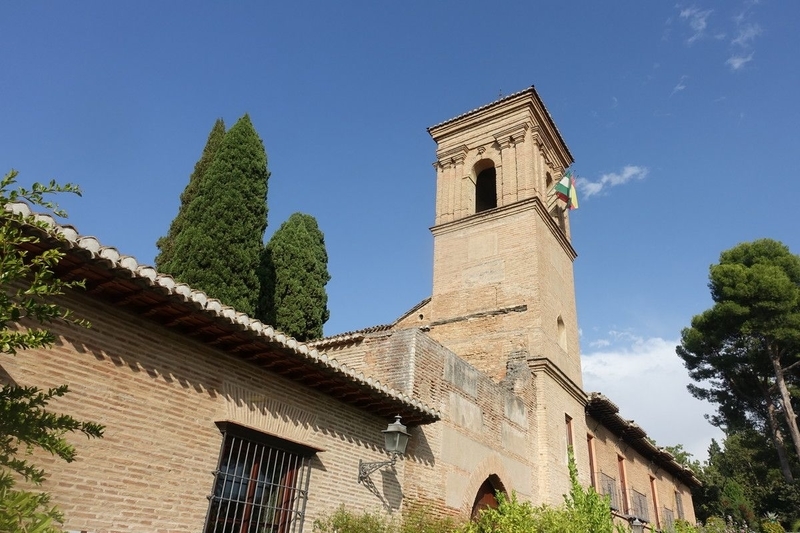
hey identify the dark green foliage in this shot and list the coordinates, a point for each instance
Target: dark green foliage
(744, 351)
(28, 286)
(166, 261)
(25, 421)
(295, 272)
(742, 480)
(219, 247)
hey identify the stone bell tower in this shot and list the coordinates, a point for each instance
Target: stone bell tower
(503, 292)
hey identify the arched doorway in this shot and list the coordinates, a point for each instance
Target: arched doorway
(487, 495)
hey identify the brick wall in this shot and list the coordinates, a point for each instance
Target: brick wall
(159, 396)
(642, 476)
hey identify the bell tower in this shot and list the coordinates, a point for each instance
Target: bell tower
(503, 292)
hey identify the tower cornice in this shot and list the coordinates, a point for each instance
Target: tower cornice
(534, 203)
(531, 110)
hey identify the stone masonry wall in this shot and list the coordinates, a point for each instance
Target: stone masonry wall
(485, 430)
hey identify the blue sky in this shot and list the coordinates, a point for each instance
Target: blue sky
(683, 120)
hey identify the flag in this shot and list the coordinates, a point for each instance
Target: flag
(573, 193)
(565, 190)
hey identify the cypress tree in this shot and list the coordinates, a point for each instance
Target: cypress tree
(165, 260)
(295, 272)
(219, 247)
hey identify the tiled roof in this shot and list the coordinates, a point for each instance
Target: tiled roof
(531, 90)
(606, 412)
(120, 280)
(349, 336)
(421, 304)
(355, 336)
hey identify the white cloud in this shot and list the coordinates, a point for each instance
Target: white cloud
(746, 34)
(697, 20)
(681, 85)
(647, 381)
(600, 343)
(630, 172)
(737, 62)
(744, 40)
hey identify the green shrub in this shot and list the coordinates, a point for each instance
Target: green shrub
(345, 521)
(682, 526)
(510, 516)
(422, 520)
(772, 527)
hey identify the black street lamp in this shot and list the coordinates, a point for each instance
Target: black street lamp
(396, 440)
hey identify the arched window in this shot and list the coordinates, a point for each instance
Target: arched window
(485, 186)
(562, 333)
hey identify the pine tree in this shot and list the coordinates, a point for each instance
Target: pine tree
(744, 351)
(166, 260)
(295, 272)
(219, 247)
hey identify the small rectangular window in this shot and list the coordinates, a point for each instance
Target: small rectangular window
(623, 482)
(592, 467)
(568, 423)
(654, 492)
(260, 485)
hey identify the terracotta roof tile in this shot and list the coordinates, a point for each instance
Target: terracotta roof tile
(91, 251)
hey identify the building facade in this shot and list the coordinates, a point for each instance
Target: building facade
(216, 422)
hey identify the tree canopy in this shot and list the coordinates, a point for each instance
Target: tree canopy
(295, 272)
(166, 261)
(744, 351)
(219, 247)
(742, 479)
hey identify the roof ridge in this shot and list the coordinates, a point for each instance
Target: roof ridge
(485, 106)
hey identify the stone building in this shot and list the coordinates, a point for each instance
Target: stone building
(217, 422)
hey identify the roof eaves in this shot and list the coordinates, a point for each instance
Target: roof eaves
(111, 259)
(607, 412)
(348, 336)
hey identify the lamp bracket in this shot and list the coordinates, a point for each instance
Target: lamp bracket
(366, 469)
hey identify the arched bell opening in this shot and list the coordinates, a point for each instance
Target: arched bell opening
(485, 185)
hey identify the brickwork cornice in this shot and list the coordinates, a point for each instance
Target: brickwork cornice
(541, 364)
(526, 102)
(512, 135)
(453, 156)
(534, 203)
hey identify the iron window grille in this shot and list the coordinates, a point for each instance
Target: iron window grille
(260, 484)
(669, 520)
(639, 506)
(608, 487)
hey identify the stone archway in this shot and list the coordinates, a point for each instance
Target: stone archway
(486, 498)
